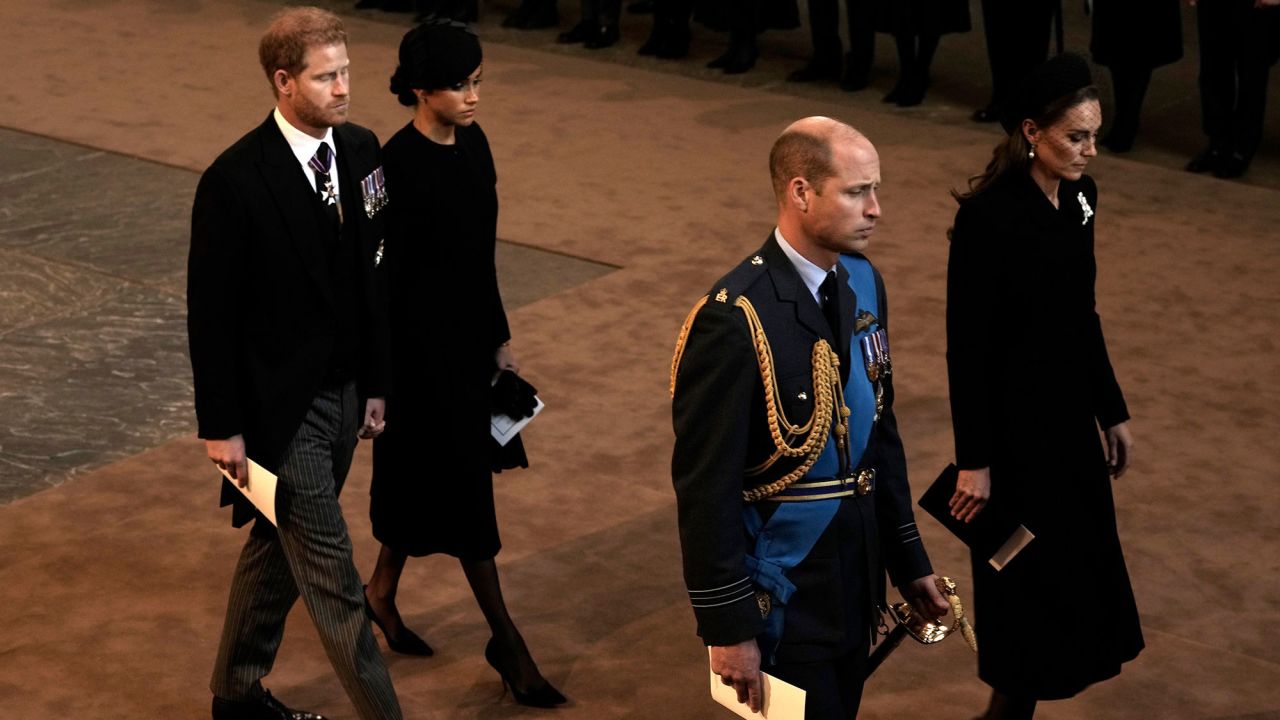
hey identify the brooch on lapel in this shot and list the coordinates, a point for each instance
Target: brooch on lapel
(377, 255)
(1084, 208)
(374, 191)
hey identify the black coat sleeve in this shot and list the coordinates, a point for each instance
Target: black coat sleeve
(478, 144)
(970, 320)
(375, 371)
(714, 394)
(215, 304)
(900, 544)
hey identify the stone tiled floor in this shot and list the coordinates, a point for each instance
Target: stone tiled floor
(93, 346)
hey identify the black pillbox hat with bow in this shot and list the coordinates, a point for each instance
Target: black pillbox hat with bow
(1061, 76)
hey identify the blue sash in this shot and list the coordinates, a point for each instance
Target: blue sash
(794, 528)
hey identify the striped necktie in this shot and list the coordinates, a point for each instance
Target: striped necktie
(320, 164)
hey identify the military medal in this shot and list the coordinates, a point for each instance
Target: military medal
(374, 191)
(875, 356)
(328, 194)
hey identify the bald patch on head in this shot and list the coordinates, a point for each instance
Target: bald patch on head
(804, 150)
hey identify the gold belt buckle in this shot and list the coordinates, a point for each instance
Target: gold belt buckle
(865, 481)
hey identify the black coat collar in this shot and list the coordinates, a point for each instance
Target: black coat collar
(295, 199)
(790, 288)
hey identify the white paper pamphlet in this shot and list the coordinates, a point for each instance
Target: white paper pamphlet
(261, 489)
(782, 700)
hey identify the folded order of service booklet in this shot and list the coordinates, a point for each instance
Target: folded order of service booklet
(782, 700)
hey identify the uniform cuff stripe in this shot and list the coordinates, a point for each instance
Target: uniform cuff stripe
(720, 591)
(750, 592)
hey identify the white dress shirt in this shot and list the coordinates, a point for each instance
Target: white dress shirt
(812, 275)
(304, 148)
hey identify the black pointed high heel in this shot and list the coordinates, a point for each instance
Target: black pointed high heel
(406, 643)
(542, 696)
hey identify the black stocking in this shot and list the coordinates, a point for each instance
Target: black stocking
(482, 575)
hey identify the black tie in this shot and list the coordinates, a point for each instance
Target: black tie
(830, 303)
(320, 164)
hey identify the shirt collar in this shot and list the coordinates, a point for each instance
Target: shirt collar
(812, 275)
(303, 145)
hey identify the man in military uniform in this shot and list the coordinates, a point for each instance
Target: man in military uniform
(788, 469)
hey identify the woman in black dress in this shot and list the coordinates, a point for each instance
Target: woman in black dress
(1031, 384)
(432, 486)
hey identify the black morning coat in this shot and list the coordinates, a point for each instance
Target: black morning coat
(721, 429)
(263, 291)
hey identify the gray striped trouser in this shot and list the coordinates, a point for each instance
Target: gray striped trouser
(310, 554)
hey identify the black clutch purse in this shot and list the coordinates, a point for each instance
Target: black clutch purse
(514, 397)
(993, 534)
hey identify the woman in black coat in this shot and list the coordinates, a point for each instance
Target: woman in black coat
(432, 487)
(1132, 38)
(1031, 384)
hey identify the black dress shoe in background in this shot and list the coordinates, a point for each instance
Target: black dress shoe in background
(739, 64)
(263, 707)
(602, 37)
(911, 90)
(1205, 161)
(735, 61)
(1231, 165)
(576, 34)
(816, 69)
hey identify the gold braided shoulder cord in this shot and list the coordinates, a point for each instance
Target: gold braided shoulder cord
(828, 392)
(683, 338)
(828, 399)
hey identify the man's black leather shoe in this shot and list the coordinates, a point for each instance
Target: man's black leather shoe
(263, 707)
(1231, 165)
(1205, 161)
(576, 34)
(602, 37)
